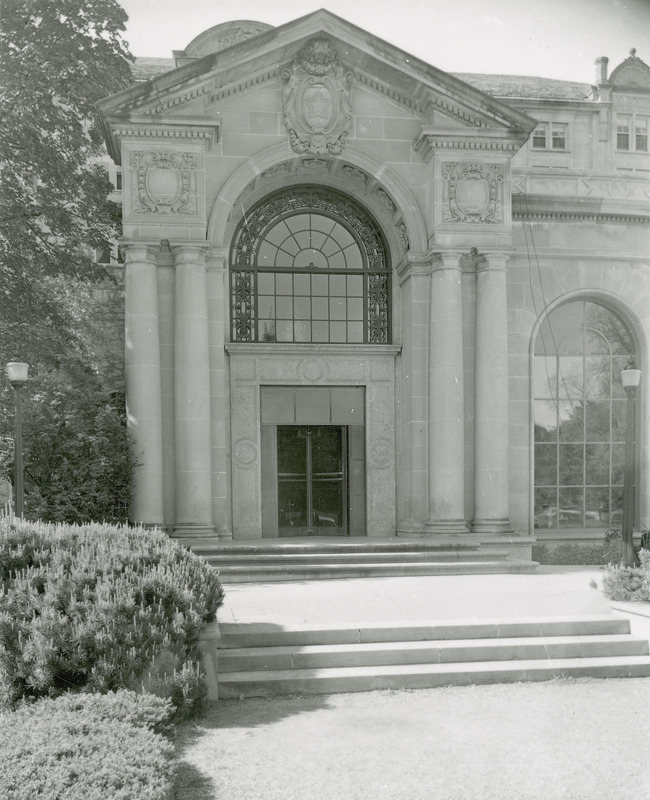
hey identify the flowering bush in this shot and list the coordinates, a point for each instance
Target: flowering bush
(99, 608)
(629, 583)
(88, 747)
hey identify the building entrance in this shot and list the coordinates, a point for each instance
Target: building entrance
(312, 480)
(313, 461)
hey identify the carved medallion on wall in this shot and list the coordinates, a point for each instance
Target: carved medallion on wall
(312, 370)
(245, 453)
(316, 100)
(164, 183)
(472, 192)
(381, 453)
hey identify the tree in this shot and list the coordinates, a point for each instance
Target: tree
(58, 58)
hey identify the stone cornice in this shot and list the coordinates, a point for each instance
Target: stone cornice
(310, 348)
(190, 95)
(429, 140)
(187, 129)
(256, 79)
(572, 209)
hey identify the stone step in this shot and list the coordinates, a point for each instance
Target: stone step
(420, 676)
(427, 652)
(357, 545)
(264, 634)
(247, 573)
(314, 558)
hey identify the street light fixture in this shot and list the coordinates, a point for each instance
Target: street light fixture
(17, 374)
(631, 378)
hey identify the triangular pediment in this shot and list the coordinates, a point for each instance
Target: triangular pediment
(325, 49)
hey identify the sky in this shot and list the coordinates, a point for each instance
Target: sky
(547, 38)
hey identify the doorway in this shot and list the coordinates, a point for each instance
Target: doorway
(312, 474)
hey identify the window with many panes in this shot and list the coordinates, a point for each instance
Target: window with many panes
(632, 132)
(580, 416)
(550, 136)
(309, 265)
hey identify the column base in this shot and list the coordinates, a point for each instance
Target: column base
(493, 526)
(446, 526)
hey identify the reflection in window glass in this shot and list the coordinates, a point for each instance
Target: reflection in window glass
(579, 417)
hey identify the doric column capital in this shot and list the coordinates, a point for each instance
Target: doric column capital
(447, 259)
(492, 262)
(218, 258)
(190, 252)
(136, 250)
(413, 264)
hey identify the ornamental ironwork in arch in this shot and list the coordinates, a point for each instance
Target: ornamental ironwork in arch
(309, 264)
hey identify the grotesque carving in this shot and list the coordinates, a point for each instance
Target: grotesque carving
(316, 100)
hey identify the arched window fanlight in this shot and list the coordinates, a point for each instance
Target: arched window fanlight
(308, 264)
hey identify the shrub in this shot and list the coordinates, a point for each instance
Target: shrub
(87, 747)
(629, 583)
(99, 608)
(594, 554)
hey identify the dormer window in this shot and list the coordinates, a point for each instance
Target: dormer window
(632, 132)
(550, 136)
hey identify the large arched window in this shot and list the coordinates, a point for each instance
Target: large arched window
(308, 264)
(580, 413)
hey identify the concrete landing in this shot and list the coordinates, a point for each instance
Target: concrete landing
(550, 591)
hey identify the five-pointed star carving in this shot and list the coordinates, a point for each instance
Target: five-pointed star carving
(319, 105)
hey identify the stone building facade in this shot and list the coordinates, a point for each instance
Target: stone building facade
(366, 297)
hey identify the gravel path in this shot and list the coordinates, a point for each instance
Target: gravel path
(563, 739)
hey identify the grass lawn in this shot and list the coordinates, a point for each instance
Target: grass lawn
(568, 738)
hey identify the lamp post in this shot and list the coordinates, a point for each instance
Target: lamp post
(17, 374)
(630, 377)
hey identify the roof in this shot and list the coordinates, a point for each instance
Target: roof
(146, 69)
(525, 86)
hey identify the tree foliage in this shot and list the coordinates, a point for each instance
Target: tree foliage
(58, 58)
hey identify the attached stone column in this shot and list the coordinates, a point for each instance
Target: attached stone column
(143, 389)
(446, 398)
(491, 505)
(192, 394)
(217, 277)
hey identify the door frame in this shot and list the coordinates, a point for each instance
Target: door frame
(252, 366)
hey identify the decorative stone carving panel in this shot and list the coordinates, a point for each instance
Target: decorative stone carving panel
(472, 192)
(316, 100)
(164, 182)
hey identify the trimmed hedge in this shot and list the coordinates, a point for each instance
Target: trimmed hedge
(99, 608)
(630, 584)
(587, 554)
(88, 747)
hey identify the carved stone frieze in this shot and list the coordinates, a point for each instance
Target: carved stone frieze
(316, 100)
(164, 182)
(355, 174)
(385, 201)
(472, 192)
(275, 170)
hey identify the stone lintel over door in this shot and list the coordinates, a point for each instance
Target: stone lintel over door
(256, 365)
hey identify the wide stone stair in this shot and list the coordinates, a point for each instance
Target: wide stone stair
(321, 558)
(261, 659)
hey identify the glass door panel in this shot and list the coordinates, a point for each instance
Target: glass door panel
(312, 480)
